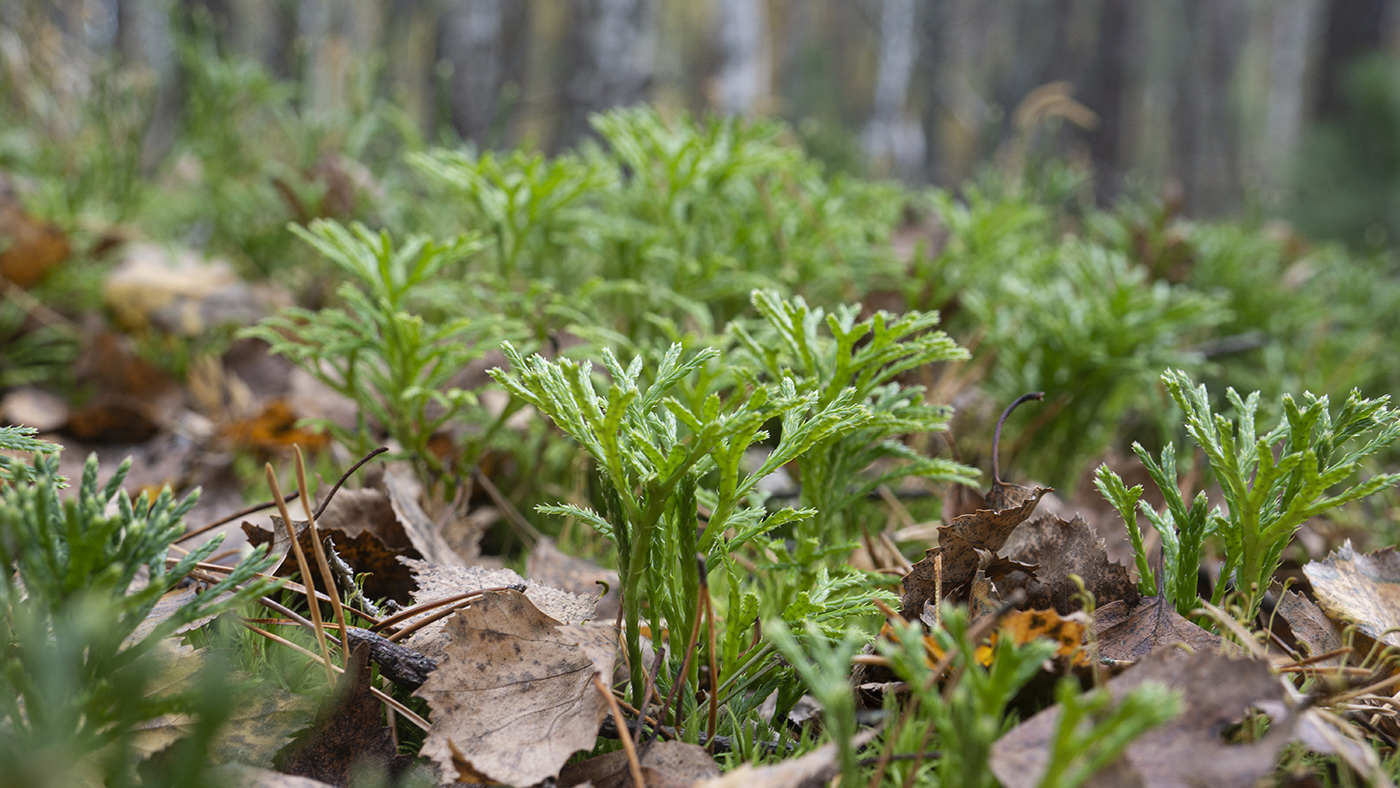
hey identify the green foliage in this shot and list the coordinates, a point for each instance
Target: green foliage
(378, 351)
(663, 229)
(78, 677)
(826, 673)
(863, 361)
(664, 447)
(1092, 332)
(1069, 316)
(1272, 482)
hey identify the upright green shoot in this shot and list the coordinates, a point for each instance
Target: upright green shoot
(1272, 482)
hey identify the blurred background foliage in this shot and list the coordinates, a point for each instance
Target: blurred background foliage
(1088, 191)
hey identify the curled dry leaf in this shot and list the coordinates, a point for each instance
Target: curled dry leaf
(1059, 549)
(958, 543)
(347, 734)
(1363, 589)
(1312, 630)
(1216, 693)
(367, 536)
(1129, 635)
(514, 697)
(422, 532)
(667, 764)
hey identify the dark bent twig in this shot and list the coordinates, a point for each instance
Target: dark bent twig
(996, 439)
(344, 477)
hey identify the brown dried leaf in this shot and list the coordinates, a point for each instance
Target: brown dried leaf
(422, 532)
(262, 724)
(554, 568)
(440, 582)
(166, 606)
(1059, 549)
(28, 248)
(667, 764)
(1188, 751)
(348, 732)
(1314, 632)
(179, 291)
(959, 541)
(135, 398)
(514, 697)
(367, 535)
(275, 429)
(1152, 625)
(1363, 589)
(812, 770)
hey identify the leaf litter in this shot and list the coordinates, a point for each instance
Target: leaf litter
(514, 696)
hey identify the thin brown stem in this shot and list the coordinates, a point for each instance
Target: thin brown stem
(320, 553)
(648, 690)
(303, 567)
(621, 722)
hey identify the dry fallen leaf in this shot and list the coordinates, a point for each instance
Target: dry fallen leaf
(1059, 549)
(959, 541)
(178, 291)
(1024, 626)
(28, 248)
(440, 582)
(367, 535)
(1152, 625)
(1188, 751)
(550, 566)
(514, 696)
(238, 775)
(812, 770)
(1313, 631)
(1363, 589)
(275, 429)
(667, 764)
(135, 399)
(422, 532)
(347, 734)
(262, 724)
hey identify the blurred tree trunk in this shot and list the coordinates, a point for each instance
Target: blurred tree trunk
(746, 69)
(1354, 28)
(894, 142)
(1206, 122)
(1293, 38)
(613, 56)
(265, 32)
(1101, 88)
(337, 36)
(484, 40)
(411, 49)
